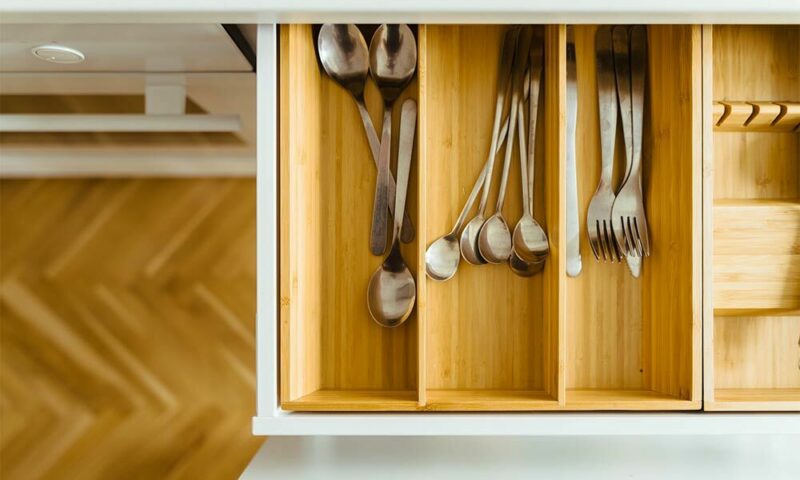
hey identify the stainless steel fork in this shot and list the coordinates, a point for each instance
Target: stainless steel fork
(598, 217)
(628, 217)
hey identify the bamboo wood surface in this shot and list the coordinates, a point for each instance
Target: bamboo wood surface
(752, 195)
(484, 326)
(623, 333)
(757, 255)
(487, 340)
(328, 340)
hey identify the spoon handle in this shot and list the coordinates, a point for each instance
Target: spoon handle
(408, 123)
(523, 160)
(476, 188)
(536, 66)
(503, 86)
(407, 233)
(380, 205)
(519, 67)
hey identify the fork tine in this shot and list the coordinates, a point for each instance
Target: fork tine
(598, 240)
(609, 240)
(632, 250)
(640, 239)
(602, 240)
(592, 243)
(618, 233)
(645, 237)
(635, 235)
(639, 245)
(609, 244)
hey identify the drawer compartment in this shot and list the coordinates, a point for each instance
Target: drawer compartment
(486, 339)
(631, 342)
(753, 199)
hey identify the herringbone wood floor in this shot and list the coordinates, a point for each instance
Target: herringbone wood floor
(127, 311)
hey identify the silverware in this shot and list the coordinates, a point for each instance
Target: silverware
(392, 291)
(494, 239)
(529, 240)
(598, 217)
(573, 229)
(442, 256)
(345, 57)
(392, 61)
(520, 266)
(628, 216)
(469, 236)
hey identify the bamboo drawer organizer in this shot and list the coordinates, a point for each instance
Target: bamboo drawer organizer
(752, 330)
(488, 340)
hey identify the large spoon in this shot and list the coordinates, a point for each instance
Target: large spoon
(469, 236)
(392, 61)
(494, 240)
(529, 239)
(392, 292)
(442, 256)
(345, 58)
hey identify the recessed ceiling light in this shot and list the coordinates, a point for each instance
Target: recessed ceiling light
(58, 54)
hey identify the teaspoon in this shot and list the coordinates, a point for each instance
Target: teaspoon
(469, 236)
(494, 239)
(442, 256)
(529, 239)
(345, 57)
(392, 62)
(392, 291)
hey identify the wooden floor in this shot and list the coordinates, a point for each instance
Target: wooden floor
(127, 319)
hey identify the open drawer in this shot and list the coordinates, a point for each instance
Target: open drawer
(487, 339)
(752, 226)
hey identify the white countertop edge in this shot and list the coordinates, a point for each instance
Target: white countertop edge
(411, 11)
(541, 424)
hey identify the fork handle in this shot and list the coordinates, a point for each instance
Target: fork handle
(607, 103)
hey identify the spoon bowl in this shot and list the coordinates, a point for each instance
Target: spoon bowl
(469, 241)
(391, 293)
(392, 59)
(494, 241)
(344, 56)
(524, 268)
(530, 241)
(441, 258)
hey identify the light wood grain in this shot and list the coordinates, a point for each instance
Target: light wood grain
(756, 399)
(709, 120)
(756, 63)
(127, 310)
(625, 399)
(485, 327)
(643, 335)
(752, 211)
(328, 340)
(489, 400)
(756, 363)
(757, 116)
(757, 255)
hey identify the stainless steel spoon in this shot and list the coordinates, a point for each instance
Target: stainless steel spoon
(442, 256)
(345, 57)
(529, 239)
(392, 291)
(469, 236)
(494, 239)
(392, 62)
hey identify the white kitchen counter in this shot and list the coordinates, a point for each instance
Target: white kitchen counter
(353, 458)
(412, 11)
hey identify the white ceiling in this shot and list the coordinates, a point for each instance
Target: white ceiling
(124, 48)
